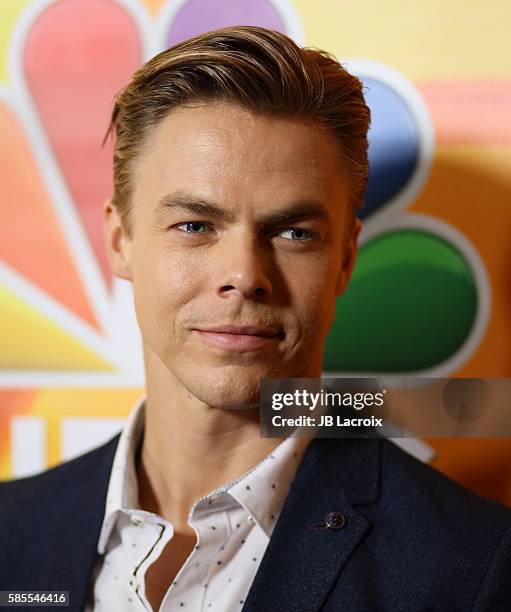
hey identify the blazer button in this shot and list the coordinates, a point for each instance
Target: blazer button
(335, 520)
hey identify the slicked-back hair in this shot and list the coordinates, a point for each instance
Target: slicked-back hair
(258, 69)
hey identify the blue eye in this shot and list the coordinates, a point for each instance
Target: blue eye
(193, 227)
(298, 233)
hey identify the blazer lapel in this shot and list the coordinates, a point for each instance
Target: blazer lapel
(77, 506)
(304, 557)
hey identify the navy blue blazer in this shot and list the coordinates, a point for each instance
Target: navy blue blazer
(407, 538)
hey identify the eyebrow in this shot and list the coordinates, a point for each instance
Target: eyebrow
(302, 210)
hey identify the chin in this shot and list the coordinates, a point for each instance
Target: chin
(230, 388)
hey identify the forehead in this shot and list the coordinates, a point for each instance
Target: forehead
(222, 148)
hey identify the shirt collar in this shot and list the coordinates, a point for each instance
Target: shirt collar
(123, 486)
(261, 490)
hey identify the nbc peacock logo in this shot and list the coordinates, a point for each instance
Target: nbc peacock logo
(418, 303)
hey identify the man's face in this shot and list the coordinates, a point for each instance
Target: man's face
(237, 251)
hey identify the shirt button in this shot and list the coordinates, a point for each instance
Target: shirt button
(133, 583)
(137, 520)
(250, 519)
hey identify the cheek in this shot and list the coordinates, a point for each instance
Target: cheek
(164, 284)
(313, 296)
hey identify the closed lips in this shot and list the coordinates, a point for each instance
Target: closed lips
(242, 330)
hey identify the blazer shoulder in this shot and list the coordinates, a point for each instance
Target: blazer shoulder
(439, 533)
(419, 490)
(35, 489)
(50, 524)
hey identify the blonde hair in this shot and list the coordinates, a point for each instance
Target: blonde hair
(260, 70)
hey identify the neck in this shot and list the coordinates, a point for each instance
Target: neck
(190, 448)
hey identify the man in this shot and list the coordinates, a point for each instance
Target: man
(240, 161)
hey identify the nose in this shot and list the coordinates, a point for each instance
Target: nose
(244, 269)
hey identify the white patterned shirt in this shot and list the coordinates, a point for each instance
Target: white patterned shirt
(233, 525)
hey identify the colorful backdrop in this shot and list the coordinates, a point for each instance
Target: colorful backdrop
(431, 293)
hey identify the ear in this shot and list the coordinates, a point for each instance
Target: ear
(117, 242)
(349, 259)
